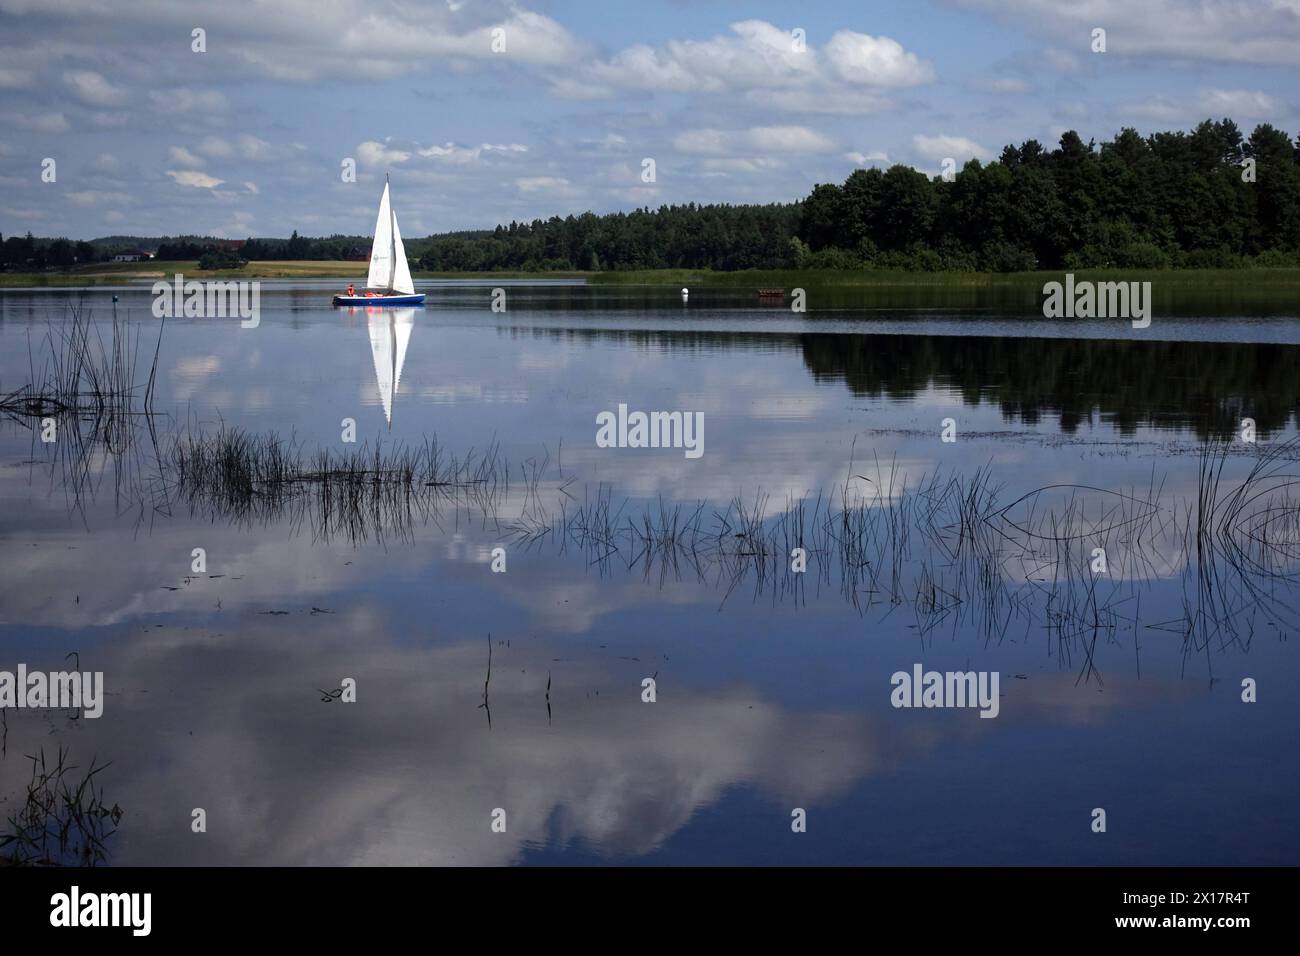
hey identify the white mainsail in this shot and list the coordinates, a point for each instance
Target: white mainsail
(381, 251)
(390, 333)
(389, 270)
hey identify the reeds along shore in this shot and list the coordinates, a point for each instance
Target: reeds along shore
(86, 398)
(950, 548)
(369, 492)
(81, 372)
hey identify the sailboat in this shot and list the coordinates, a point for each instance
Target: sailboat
(389, 281)
(390, 333)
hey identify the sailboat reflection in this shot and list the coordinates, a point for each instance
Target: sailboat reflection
(390, 334)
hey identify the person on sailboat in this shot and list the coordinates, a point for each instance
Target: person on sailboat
(351, 290)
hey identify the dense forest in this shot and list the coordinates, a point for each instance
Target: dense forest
(690, 236)
(1206, 198)
(1170, 199)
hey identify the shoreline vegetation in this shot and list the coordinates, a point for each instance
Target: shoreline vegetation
(1272, 287)
(343, 270)
(123, 273)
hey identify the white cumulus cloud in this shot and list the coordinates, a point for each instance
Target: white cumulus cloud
(876, 61)
(766, 64)
(373, 153)
(192, 177)
(90, 87)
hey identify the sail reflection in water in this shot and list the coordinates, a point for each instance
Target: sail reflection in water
(390, 334)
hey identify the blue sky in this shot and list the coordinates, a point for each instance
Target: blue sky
(247, 138)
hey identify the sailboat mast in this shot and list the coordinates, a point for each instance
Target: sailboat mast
(392, 237)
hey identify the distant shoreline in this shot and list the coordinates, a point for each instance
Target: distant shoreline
(1280, 285)
(126, 272)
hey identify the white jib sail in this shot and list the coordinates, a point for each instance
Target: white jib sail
(389, 270)
(401, 268)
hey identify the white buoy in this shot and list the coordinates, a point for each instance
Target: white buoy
(685, 292)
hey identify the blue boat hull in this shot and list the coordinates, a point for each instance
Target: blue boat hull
(380, 300)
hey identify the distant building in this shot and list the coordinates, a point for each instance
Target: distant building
(137, 256)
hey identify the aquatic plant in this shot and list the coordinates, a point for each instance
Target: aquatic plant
(64, 819)
(1071, 559)
(83, 374)
(357, 493)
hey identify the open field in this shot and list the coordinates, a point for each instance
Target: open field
(118, 273)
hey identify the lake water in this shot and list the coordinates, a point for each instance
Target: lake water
(1119, 688)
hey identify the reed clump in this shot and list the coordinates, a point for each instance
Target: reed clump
(362, 492)
(64, 819)
(81, 372)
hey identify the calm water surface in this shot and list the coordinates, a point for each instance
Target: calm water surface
(773, 689)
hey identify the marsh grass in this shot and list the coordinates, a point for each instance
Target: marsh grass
(949, 549)
(64, 819)
(92, 384)
(944, 548)
(81, 372)
(371, 491)
(942, 545)
(1242, 539)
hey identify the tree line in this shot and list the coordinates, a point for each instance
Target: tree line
(1211, 197)
(1208, 198)
(28, 252)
